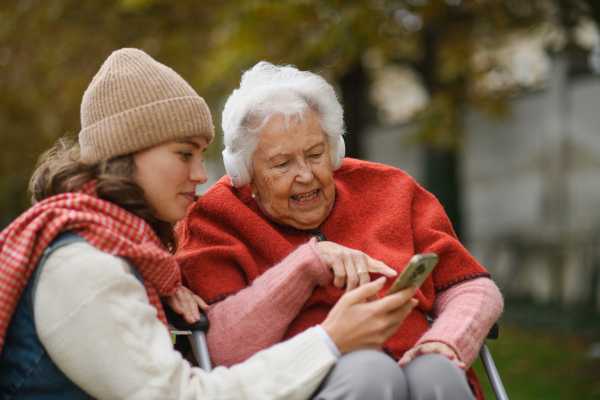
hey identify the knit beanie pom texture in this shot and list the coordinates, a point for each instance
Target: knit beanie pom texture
(134, 103)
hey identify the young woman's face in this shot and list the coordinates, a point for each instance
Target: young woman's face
(168, 174)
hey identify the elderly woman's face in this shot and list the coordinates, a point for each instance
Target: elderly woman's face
(292, 172)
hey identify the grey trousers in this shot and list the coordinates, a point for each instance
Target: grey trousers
(368, 374)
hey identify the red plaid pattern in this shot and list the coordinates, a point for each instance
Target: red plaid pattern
(103, 224)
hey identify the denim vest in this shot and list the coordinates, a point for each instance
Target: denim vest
(26, 369)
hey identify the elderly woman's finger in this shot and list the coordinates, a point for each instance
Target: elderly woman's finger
(406, 358)
(352, 280)
(363, 276)
(353, 264)
(379, 267)
(429, 348)
(443, 349)
(337, 266)
(363, 270)
(184, 302)
(201, 303)
(190, 309)
(332, 253)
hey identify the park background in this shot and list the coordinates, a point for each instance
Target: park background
(493, 105)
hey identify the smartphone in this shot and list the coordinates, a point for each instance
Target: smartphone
(416, 271)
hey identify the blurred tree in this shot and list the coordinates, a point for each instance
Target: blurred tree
(440, 39)
(50, 50)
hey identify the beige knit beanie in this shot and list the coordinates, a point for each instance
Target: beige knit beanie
(134, 103)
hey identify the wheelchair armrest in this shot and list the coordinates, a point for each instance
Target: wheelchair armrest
(494, 332)
(180, 323)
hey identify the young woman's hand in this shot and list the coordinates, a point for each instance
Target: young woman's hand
(186, 303)
(432, 347)
(355, 324)
(351, 267)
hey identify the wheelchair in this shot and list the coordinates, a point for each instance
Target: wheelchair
(195, 333)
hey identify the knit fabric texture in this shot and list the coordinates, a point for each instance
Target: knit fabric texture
(134, 103)
(103, 224)
(226, 242)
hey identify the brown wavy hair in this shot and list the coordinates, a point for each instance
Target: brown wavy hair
(59, 170)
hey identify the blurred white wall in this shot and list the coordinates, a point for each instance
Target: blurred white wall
(531, 188)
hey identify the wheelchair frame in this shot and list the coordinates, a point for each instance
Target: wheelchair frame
(196, 334)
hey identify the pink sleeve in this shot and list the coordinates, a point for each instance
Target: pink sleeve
(464, 315)
(257, 317)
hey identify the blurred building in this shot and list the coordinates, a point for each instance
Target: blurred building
(531, 187)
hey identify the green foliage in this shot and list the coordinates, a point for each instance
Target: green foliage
(50, 50)
(49, 53)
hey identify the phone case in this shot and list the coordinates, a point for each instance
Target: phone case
(416, 271)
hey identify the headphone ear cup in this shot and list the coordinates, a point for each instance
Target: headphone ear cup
(341, 153)
(232, 169)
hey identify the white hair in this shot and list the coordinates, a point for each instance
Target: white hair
(267, 90)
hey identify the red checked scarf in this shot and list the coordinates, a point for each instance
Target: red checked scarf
(104, 225)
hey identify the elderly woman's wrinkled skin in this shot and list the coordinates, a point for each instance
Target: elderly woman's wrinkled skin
(292, 172)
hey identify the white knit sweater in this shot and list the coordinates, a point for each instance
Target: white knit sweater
(94, 318)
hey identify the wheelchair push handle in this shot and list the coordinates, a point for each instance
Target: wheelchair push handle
(180, 323)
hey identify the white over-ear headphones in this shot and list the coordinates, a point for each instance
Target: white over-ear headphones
(240, 177)
(337, 162)
(231, 167)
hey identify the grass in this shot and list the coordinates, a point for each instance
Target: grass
(542, 353)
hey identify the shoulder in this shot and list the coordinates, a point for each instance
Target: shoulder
(354, 168)
(372, 176)
(221, 196)
(82, 256)
(77, 275)
(79, 269)
(218, 210)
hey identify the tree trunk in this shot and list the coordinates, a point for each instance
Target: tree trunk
(440, 163)
(441, 179)
(356, 108)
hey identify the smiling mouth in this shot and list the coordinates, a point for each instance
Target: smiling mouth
(307, 196)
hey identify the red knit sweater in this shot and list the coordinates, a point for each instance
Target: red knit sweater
(227, 242)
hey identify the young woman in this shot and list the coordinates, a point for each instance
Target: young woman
(83, 271)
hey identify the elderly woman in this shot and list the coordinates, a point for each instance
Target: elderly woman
(256, 243)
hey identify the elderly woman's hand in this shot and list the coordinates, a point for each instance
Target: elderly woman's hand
(351, 267)
(186, 303)
(432, 347)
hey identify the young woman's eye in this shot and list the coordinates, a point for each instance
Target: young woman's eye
(185, 155)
